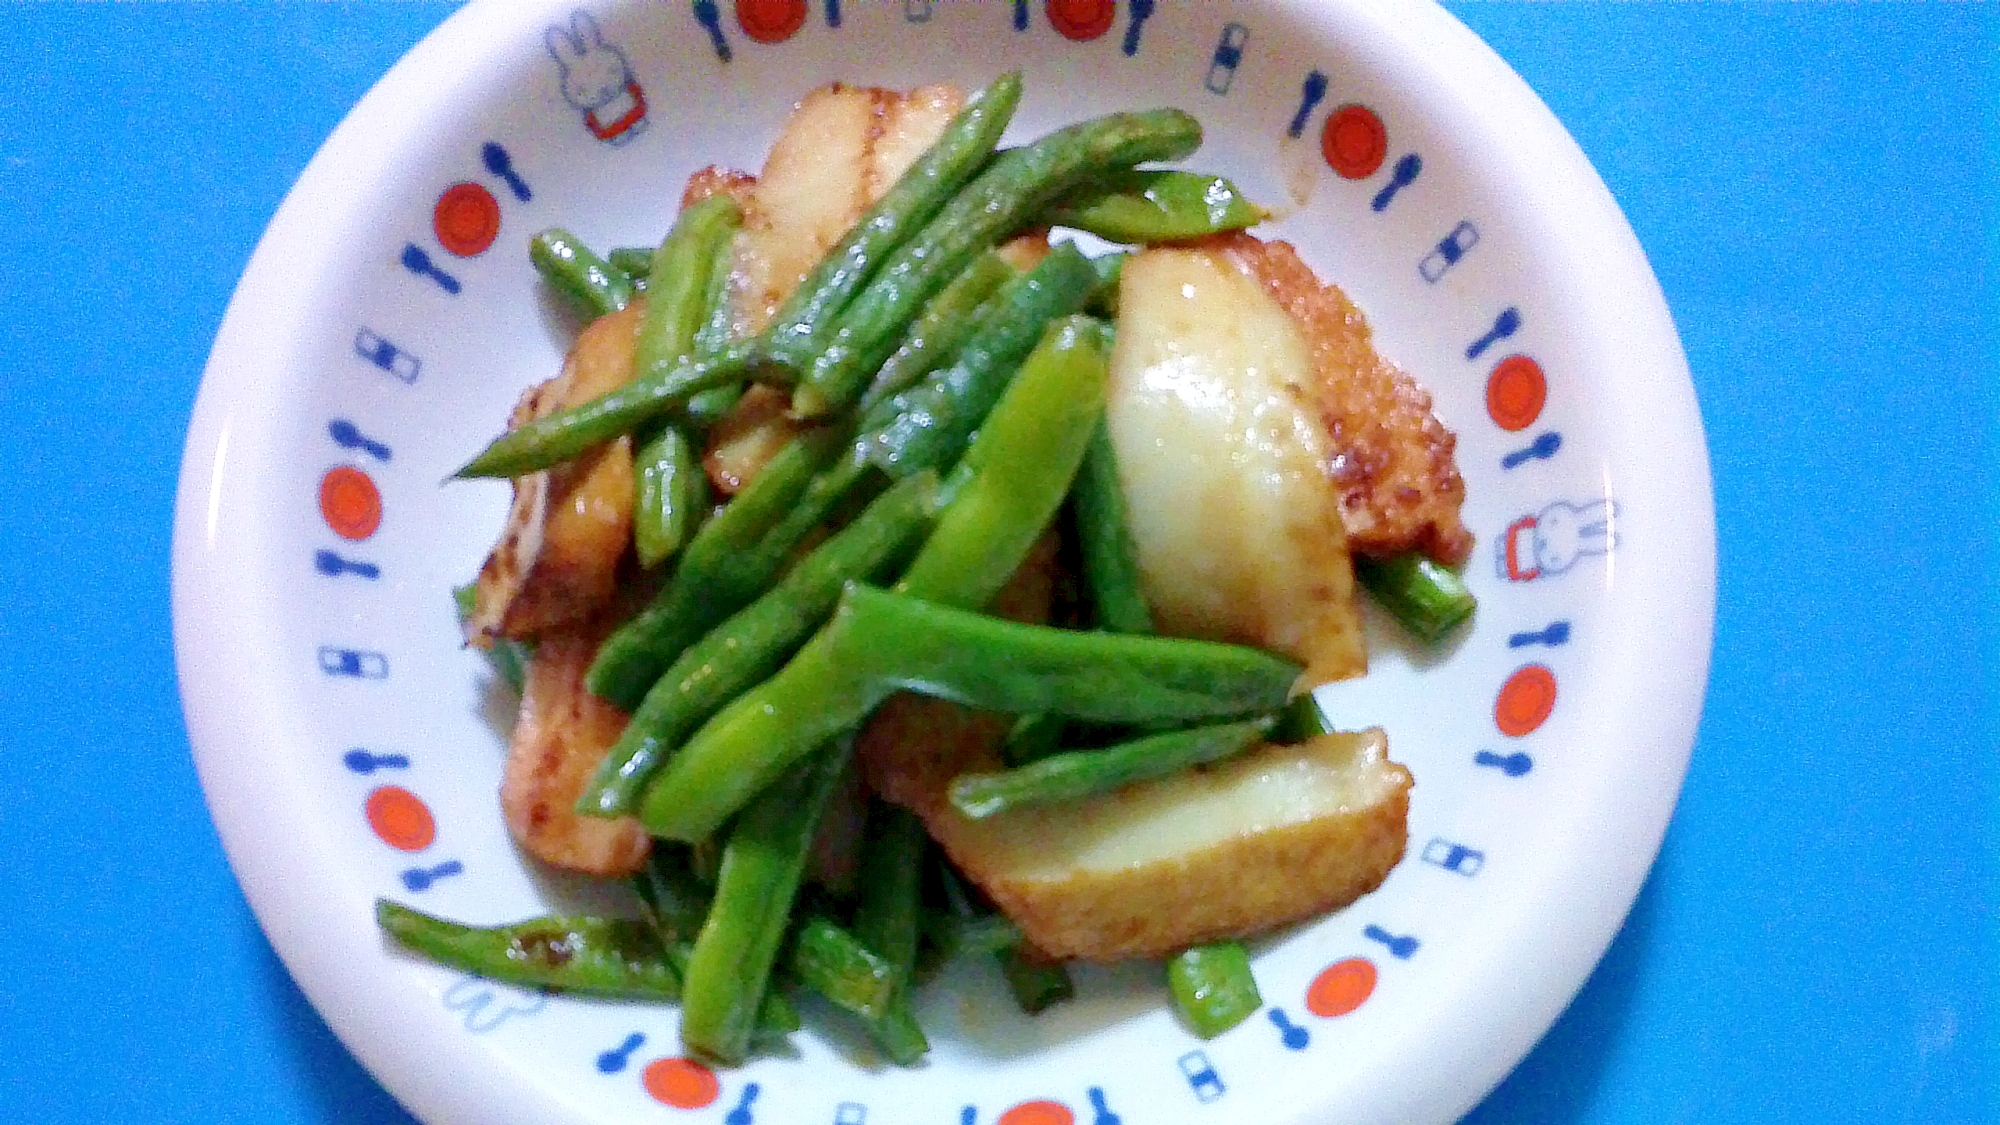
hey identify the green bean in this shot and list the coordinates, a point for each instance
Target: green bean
(752, 643)
(569, 266)
(677, 300)
(762, 864)
(888, 919)
(928, 425)
(1018, 471)
(1213, 988)
(706, 587)
(567, 433)
(718, 328)
(1110, 560)
(1002, 199)
(880, 643)
(675, 899)
(509, 658)
(1032, 738)
(1148, 206)
(1076, 774)
(833, 962)
(635, 262)
(1037, 984)
(672, 495)
(1426, 597)
(1301, 719)
(1104, 299)
(972, 935)
(959, 152)
(935, 337)
(891, 891)
(611, 957)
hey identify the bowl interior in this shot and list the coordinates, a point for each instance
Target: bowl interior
(351, 748)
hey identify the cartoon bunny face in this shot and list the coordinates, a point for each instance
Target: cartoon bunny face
(1564, 533)
(594, 73)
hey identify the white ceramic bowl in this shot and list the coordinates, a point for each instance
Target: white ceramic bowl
(364, 357)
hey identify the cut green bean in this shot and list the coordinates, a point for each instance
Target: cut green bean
(1426, 597)
(1076, 774)
(831, 961)
(672, 496)
(635, 262)
(1110, 561)
(598, 287)
(1147, 206)
(973, 935)
(1002, 199)
(935, 338)
(1213, 988)
(752, 643)
(930, 424)
(677, 299)
(961, 150)
(611, 957)
(879, 643)
(675, 899)
(888, 916)
(1032, 738)
(1301, 719)
(1037, 984)
(730, 969)
(1016, 475)
(705, 587)
(508, 658)
(566, 434)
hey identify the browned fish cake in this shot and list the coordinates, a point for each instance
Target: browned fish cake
(1400, 488)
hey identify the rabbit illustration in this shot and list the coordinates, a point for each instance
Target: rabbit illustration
(1553, 539)
(596, 80)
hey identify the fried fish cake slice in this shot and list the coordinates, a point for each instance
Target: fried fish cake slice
(556, 562)
(1392, 459)
(561, 733)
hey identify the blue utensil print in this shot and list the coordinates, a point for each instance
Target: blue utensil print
(1504, 325)
(709, 16)
(420, 879)
(419, 263)
(1543, 448)
(1104, 1116)
(1401, 176)
(348, 436)
(365, 763)
(1513, 765)
(1294, 1037)
(1557, 633)
(333, 566)
(1142, 10)
(500, 164)
(1401, 946)
(741, 1114)
(614, 1060)
(1310, 95)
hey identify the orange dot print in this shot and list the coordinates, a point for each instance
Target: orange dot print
(350, 502)
(1341, 987)
(1354, 142)
(770, 21)
(400, 818)
(681, 1083)
(1082, 19)
(1525, 700)
(466, 219)
(1516, 392)
(1038, 1113)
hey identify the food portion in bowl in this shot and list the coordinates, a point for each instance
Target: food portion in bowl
(886, 579)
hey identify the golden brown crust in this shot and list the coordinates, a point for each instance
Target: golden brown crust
(560, 735)
(1400, 488)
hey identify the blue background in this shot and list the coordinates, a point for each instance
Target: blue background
(1814, 186)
